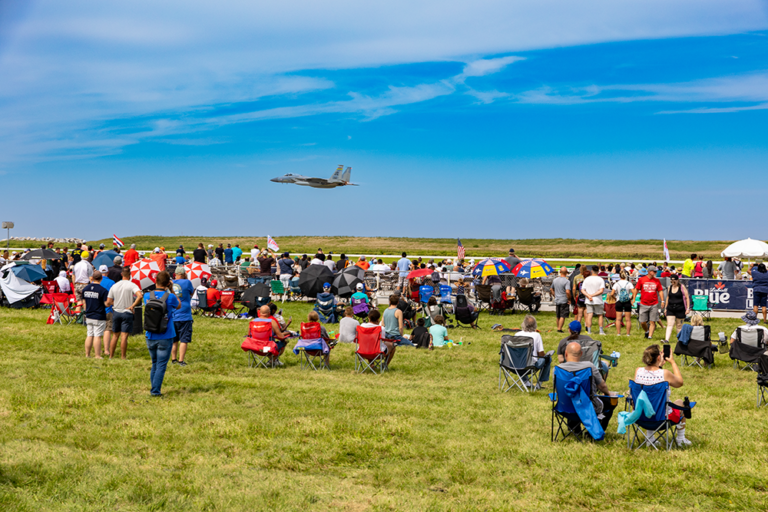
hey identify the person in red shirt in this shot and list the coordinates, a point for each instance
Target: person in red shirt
(363, 264)
(212, 294)
(131, 256)
(159, 257)
(651, 300)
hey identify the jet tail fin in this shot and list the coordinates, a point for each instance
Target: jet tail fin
(346, 175)
(336, 176)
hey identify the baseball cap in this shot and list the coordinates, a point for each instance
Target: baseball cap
(84, 255)
(101, 246)
(326, 285)
(103, 269)
(157, 249)
(511, 250)
(179, 270)
(214, 283)
(210, 245)
(255, 246)
(359, 286)
(575, 326)
(651, 269)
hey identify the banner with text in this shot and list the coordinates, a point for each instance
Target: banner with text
(735, 295)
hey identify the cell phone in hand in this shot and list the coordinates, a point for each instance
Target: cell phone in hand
(280, 312)
(667, 351)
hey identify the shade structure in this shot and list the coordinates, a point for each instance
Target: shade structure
(532, 268)
(29, 273)
(354, 270)
(144, 272)
(312, 278)
(490, 267)
(250, 296)
(746, 249)
(42, 254)
(413, 274)
(105, 258)
(344, 284)
(196, 272)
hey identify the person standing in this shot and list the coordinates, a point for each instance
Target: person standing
(622, 292)
(512, 260)
(593, 288)
(579, 297)
(255, 252)
(180, 251)
(182, 319)
(228, 255)
(82, 273)
(678, 305)
(698, 268)
(285, 266)
(561, 292)
(651, 299)
(688, 266)
(404, 266)
(107, 283)
(220, 253)
(123, 297)
(209, 252)
(330, 263)
(729, 269)
(160, 344)
(237, 252)
(159, 257)
(94, 302)
(199, 254)
(115, 272)
(760, 289)
(131, 256)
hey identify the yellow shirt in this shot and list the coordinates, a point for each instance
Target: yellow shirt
(688, 267)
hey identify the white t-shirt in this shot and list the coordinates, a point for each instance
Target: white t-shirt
(63, 283)
(330, 264)
(538, 343)
(254, 254)
(369, 324)
(623, 285)
(123, 293)
(749, 328)
(316, 261)
(83, 271)
(379, 268)
(348, 329)
(592, 285)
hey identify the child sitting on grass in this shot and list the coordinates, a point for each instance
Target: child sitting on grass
(439, 333)
(420, 335)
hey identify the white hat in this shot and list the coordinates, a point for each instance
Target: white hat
(157, 249)
(359, 286)
(210, 245)
(103, 269)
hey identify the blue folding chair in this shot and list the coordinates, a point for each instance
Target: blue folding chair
(446, 294)
(569, 416)
(650, 431)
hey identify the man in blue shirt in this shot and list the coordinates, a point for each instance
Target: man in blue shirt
(182, 319)
(228, 255)
(94, 302)
(160, 345)
(237, 252)
(106, 283)
(404, 266)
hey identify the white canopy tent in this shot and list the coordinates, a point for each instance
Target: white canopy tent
(746, 249)
(16, 289)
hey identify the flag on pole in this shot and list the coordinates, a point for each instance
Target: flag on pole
(460, 251)
(666, 251)
(271, 244)
(116, 241)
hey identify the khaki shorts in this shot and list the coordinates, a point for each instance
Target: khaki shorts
(95, 327)
(79, 287)
(108, 328)
(648, 313)
(595, 309)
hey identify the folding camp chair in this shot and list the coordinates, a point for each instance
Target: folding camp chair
(229, 307)
(517, 365)
(311, 348)
(462, 312)
(61, 301)
(296, 293)
(326, 307)
(369, 356)
(762, 381)
(651, 431)
(700, 304)
(259, 346)
(563, 410)
(483, 295)
(202, 305)
(50, 287)
(360, 308)
(698, 349)
(526, 299)
(278, 290)
(747, 348)
(592, 351)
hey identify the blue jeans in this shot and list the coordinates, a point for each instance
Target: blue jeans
(544, 364)
(399, 340)
(160, 352)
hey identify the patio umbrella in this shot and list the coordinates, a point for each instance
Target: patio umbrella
(746, 249)
(420, 273)
(312, 278)
(532, 268)
(105, 258)
(354, 270)
(29, 273)
(490, 267)
(253, 293)
(197, 271)
(344, 284)
(144, 273)
(41, 254)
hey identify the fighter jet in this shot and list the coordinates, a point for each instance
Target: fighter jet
(338, 179)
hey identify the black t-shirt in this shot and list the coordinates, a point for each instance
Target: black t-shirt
(199, 255)
(95, 296)
(341, 265)
(220, 253)
(265, 264)
(180, 252)
(115, 273)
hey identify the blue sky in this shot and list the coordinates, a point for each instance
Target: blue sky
(494, 119)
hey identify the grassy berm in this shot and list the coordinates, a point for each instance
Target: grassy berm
(433, 433)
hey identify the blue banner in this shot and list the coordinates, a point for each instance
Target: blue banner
(723, 294)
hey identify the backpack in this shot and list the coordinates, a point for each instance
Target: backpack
(624, 294)
(156, 313)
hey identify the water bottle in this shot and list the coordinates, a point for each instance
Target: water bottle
(687, 410)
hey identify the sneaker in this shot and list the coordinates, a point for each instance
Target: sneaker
(602, 333)
(182, 363)
(681, 441)
(589, 331)
(537, 387)
(173, 361)
(559, 330)
(645, 335)
(279, 363)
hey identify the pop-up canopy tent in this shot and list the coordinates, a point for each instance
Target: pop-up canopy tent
(17, 290)
(746, 249)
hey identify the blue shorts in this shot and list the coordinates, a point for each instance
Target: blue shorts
(760, 299)
(183, 331)
(122, 322)
(280, 344)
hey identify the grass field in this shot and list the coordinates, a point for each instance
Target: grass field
(434, 433)
(544, 248)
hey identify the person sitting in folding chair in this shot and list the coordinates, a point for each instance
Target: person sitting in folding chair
(748, 341)
(465, 312)
(604, 406)
(653, 373)
(278, 336)
(326, 305)
(542, 360)
(694, 343)
(387, 346)
(360, 301)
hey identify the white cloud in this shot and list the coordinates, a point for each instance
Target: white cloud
(484, 67)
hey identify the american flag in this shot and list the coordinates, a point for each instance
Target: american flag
(460, 250)
(116, 241)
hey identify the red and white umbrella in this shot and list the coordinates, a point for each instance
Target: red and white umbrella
(144, 272)
(197, 271)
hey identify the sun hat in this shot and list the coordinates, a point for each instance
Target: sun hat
(750, 318)
(103, 269)
(575, 326)
(643, 272)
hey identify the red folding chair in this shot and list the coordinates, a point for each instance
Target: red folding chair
(313, 358)
(61, 302)
(369, 355)
(50, 287)
(259, 345)
(229, 306)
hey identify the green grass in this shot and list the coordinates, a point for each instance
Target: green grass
(434, 433)
(545, 248)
